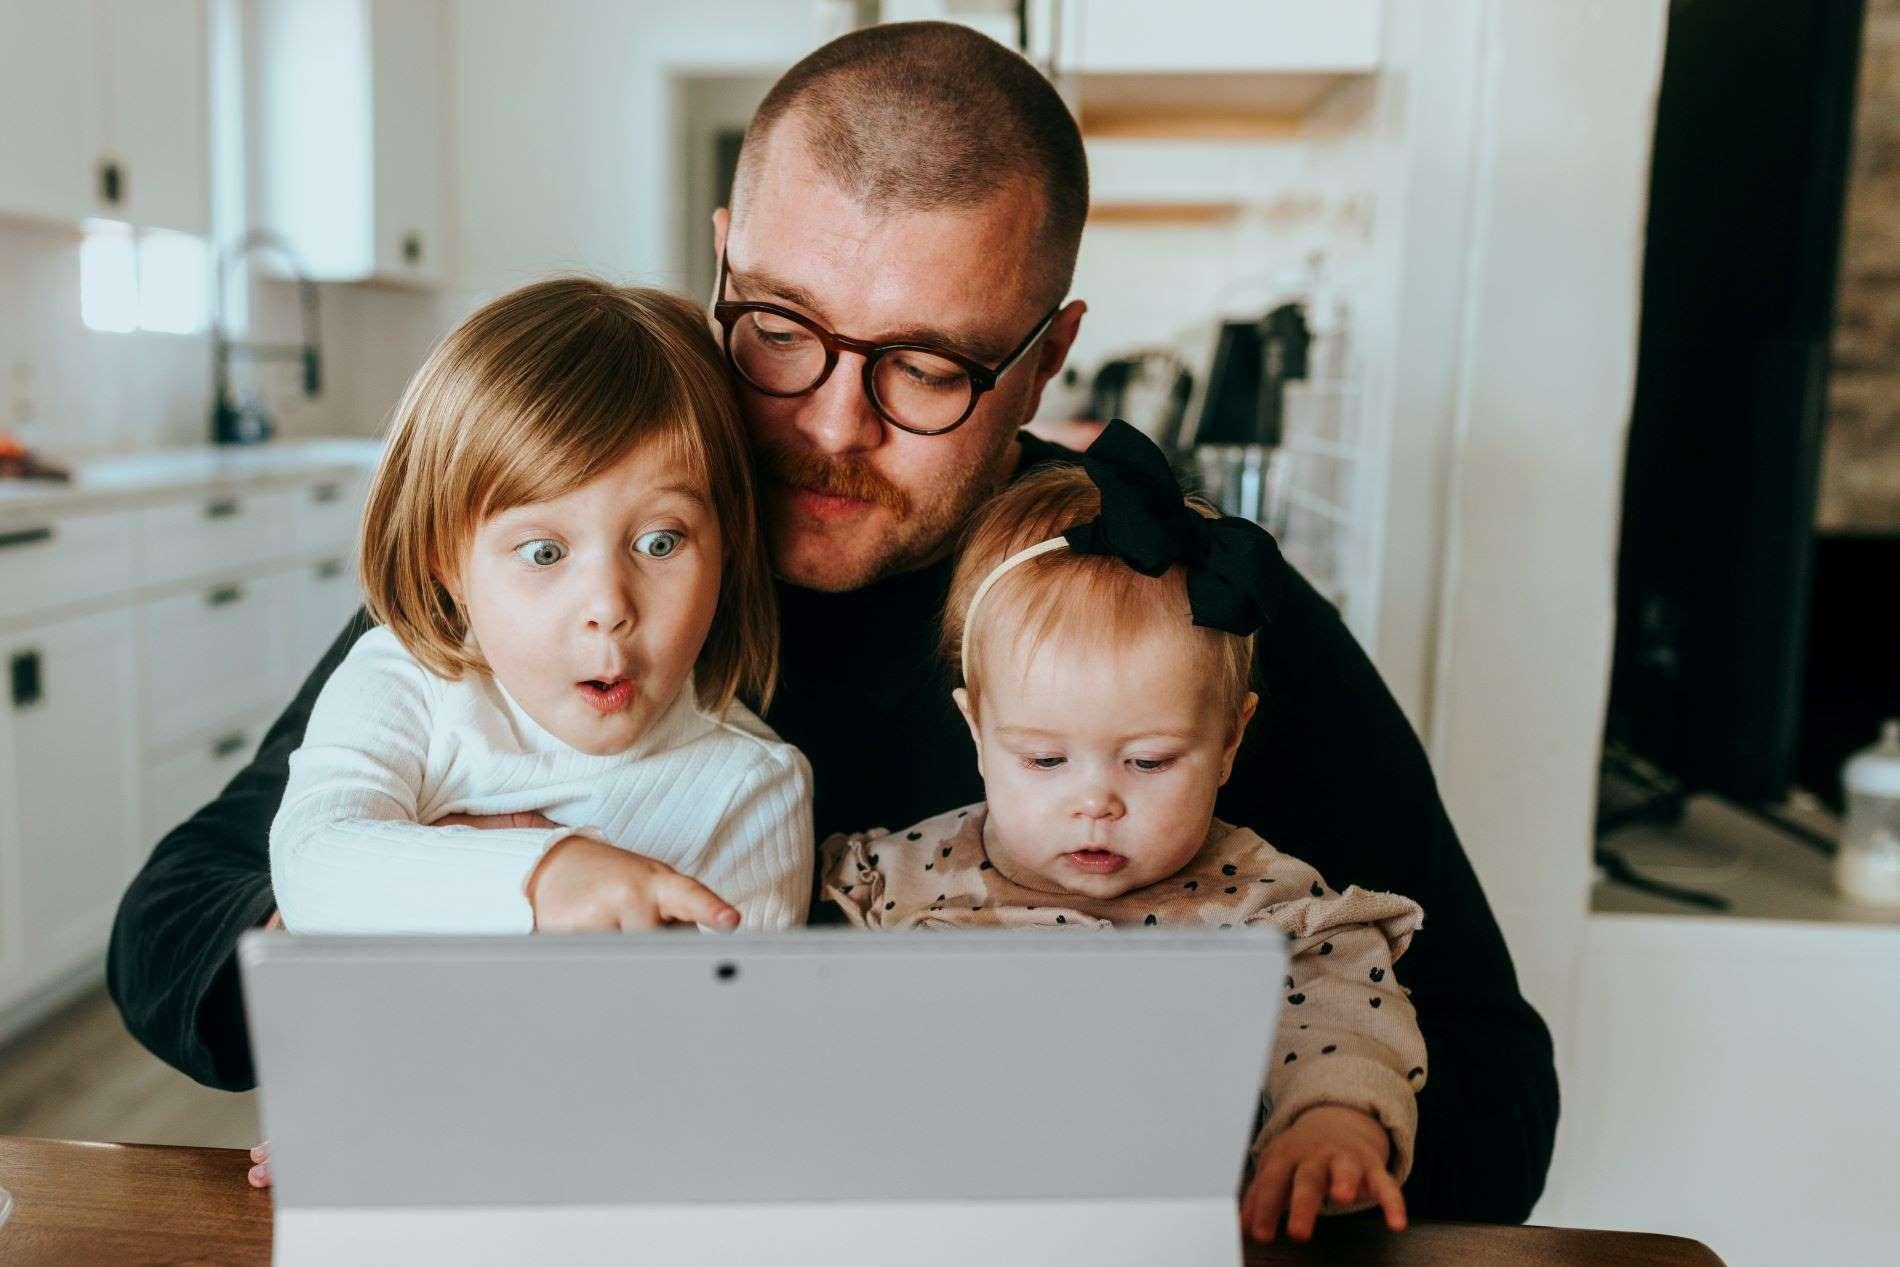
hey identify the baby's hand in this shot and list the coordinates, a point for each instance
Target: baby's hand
(1329, 1153)
(582, 886)
(259, 1174)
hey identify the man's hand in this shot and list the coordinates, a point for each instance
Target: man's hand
(582, 885)
(1330, 1152)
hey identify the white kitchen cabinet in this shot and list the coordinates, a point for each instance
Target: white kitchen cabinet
(216, 652)
(68, 790)
(54, 561)
(1211, 35)
(182, 782)
(155, 616)
(154, 90)
(327, 595)
(1136, 61)
(46, 109)
(344, 112)
(105, 106)
(213, 532)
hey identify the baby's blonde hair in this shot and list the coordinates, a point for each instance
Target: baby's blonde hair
(531, 397)
(1094, 601)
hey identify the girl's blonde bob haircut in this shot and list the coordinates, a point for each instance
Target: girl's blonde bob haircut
(531, 397)
(1093, 603)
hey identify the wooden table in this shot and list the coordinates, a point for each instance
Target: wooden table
(110, 1203)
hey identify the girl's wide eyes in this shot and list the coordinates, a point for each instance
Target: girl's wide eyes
(661, 543)
(541, 553)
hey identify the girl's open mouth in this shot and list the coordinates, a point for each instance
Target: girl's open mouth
(606, 697)
(1096, 861)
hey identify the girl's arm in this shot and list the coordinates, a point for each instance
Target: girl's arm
(347, 854)
(759, 858)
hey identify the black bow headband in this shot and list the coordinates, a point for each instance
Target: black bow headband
(1230, 562)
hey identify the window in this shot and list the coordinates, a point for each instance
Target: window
(142, 279)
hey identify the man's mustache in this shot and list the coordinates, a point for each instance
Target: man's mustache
(839, 477)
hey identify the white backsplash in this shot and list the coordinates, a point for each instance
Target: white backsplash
(74, 392)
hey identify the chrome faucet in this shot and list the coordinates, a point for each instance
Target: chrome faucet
(230, 424)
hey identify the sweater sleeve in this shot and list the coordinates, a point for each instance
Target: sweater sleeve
(1331, 772)
(347, 854)
(760, 856)
(1347, 1033)
(849, 878)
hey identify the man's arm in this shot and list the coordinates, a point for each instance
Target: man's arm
(1332, 774)
(171, 968)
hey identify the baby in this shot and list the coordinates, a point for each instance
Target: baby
(1104, 628)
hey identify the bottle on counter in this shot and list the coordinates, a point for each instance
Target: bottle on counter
(1867, 868)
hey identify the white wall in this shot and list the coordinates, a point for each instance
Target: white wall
(1544, 360)
(564, 134)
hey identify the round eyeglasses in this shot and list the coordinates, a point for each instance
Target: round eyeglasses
(915, 387)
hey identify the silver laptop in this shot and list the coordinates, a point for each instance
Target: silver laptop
(819, 1097)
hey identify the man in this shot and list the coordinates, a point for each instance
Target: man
(903, 233)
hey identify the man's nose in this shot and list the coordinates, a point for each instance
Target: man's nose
(838, 416)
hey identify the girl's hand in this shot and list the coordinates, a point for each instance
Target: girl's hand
(1329, 1153)
(259, 1174)
(582, 885)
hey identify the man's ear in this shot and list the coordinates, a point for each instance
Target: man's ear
(1053, 352)
(962, 697)
(1247, 708)
(722, 221)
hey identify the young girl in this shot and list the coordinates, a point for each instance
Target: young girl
(1104, 630)
(562, 551)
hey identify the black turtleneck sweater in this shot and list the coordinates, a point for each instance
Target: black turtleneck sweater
(1330, 772)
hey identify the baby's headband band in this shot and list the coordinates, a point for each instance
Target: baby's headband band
(1231, 563)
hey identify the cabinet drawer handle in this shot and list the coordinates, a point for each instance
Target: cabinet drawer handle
(227, 745)
(25, 537)
(329, 569)
(221, 509)
(324, 493)
(24, 671)
(224, 595)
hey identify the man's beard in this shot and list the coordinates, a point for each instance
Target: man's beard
(925, 524)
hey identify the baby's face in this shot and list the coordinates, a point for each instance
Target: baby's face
(1100, 769)
(591, 608)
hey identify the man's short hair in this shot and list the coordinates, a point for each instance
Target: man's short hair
(918, 116)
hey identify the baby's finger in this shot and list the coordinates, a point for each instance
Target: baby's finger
(1267, 1198)
(685, 900)
(258, 1176)
(1347, 1174)
(1385, 1190)
(1309, 1190)
(261, 1152)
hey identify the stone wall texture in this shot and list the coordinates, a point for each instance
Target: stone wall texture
(1860, 456)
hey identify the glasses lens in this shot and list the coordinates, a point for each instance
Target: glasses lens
(920, 390)
(776, 354)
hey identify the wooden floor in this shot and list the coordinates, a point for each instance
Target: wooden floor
(79, 1075)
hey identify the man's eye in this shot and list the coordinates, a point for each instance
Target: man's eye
(661, 543)
(542, 553)
(777, 332)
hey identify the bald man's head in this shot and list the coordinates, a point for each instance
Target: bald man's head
(929, 116)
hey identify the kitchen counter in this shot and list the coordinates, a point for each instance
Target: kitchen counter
(132, 479)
